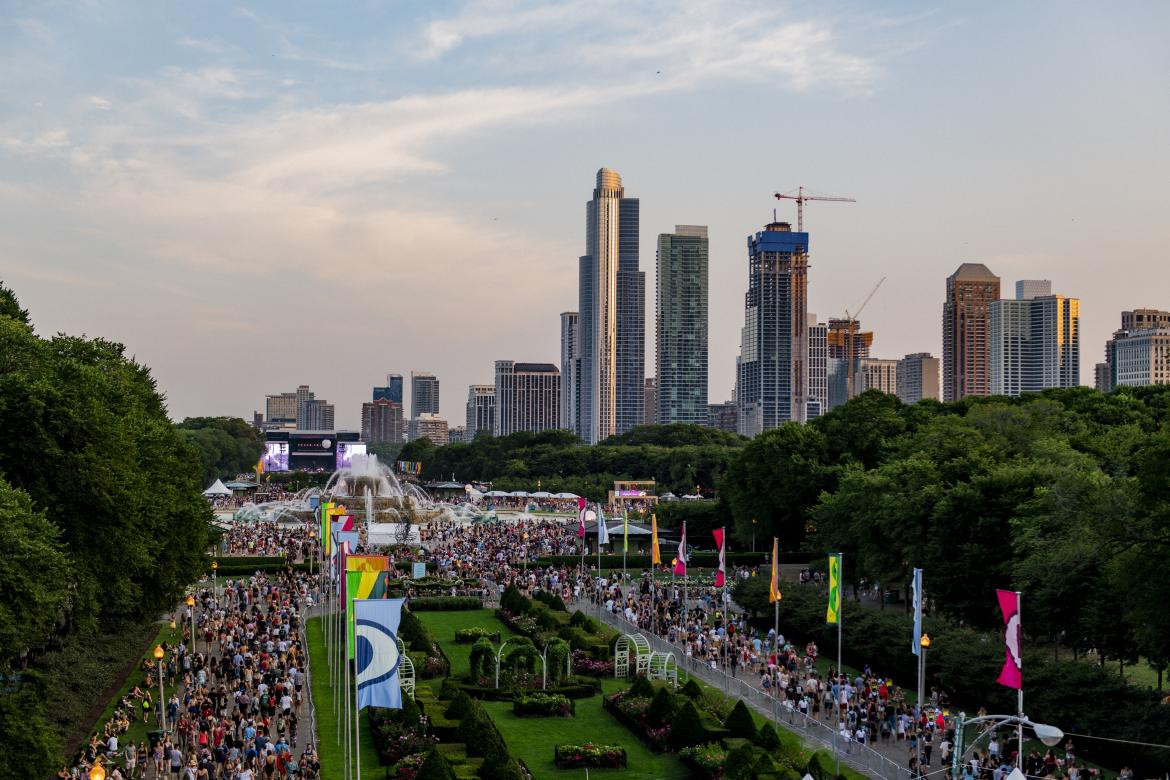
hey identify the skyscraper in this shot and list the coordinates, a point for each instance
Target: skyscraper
(612, 314)
(424, 393)
(481, 410)
(845, 343)
(818, 369)
(681, 325)
(917, 378)
(392, 391)
(876, 374)
(430, 426)
(1141, 339)
(970, 291)
(382, 422)
(1035, 343)
(570, 369)
(528, 397)
(771, 381)
(651, 395)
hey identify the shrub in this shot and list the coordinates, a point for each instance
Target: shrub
(709, 758)
(641, 687)
(739, 722)
(500, 766)
(445, 603)
(768, 739)
(821, 766)
(480, 734)
(483, 659)
(542, 705)
(578, 619)
(692, 689)
(589, 755)
(687, 727)
(745, 762)
(468, 636)
(435, 767)
(552, 600)
(514, 601)
(662, 707)
(459, 706)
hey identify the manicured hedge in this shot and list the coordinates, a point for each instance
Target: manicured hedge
(445, 603)
(698, 560)
(589, 755)
(543, 705)
(581, 689)
(467, 636)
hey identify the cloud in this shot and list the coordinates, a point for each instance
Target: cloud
(100, 103)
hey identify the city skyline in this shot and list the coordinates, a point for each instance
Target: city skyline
(238, 164)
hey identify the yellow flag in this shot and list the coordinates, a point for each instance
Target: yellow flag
(774, 589)
(833, 614)
(260, 467)
(655, 555)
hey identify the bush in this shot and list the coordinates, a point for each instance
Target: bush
(739, 722)
(542, 705)
(435, 767)
(513, 601)
(482, 660)
(445, 603)
(709, 758)
(745, 762)
(500, 766)
(641, 687)
(552, 600)
(467, 636)
(687, 727)
(459, 707)
(768, 739)
(578, 619)
(692, 689)
(662, 707)
(480, 734)
(589, 755)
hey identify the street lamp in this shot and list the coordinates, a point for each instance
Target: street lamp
(524, 536)
(1050, 735)
(162, 696)
(214, 581)
(191, 606)
(753, 534)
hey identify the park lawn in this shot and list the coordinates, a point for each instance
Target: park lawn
(443, 626)
(332, 754)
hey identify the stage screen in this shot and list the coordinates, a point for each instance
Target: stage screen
(348, 451)
(276, 456)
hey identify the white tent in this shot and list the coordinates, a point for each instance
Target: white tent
(566, 495)
(217, 489)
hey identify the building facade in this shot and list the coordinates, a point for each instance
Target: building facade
(570, 369)
(392, 391)
(1131, 322)
(918, 378)
(612, 319)
(818, 369)
(681, 325)
(1142, 358)
(876, 374)
(970, 291)
(429, 426)
(424, 393)
(846, 345)
(724, 416)
(651, 401)
(528, 397)
(1035, 343)
(481, 410)
(383, 422)
(771, 369)
(280, 410)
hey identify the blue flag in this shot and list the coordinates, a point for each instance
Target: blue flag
(916, 586)
(378, 657)
(602, 531)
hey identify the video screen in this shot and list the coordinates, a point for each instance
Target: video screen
(276, 456)
(348, 452)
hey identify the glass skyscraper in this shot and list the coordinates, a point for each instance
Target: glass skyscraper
(681, 325)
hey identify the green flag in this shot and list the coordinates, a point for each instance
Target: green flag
(626, 531)
(833, 614)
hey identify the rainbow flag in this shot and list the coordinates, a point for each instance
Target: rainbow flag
(833, 613)
(362, 585)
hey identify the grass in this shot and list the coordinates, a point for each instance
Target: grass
(332, 754)
(443, 626)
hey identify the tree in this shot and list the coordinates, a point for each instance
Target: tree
(10, 307)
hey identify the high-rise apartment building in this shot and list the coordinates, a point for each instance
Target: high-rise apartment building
(612, 314)
(392, 391)
(300, 410)
(1136, 354)
(424, 393)
(315, 415)
(651, 409)
(481, 410)
(1032, 288)
(918, 378)
(1035, 343)
(281, 410)
(681, 325)
(970, 291)
(457, 435)
(818, 369)
(528, 397)
(847, 344)
(429, 426)
(570, 369)
(1101, 378)
(724, 416)
(876, 374)
(382, 421)
(771, 369)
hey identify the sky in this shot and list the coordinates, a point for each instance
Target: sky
(255, 196)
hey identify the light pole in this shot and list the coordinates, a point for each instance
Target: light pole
(1049, 735)
(162, 696)
(753, 534)
(214, 579)
(923, 644)
(191, 606)
(524, 537)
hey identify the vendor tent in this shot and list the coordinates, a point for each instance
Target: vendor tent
(217, 489)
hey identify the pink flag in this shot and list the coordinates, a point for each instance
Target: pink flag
(680, 563)
(722, 573)
(1011, 675)
(581, 518)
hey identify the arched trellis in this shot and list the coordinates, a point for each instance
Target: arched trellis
(628, 644)
(662, 666)
(405, 670)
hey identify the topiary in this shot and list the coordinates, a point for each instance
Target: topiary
(578, 619)
(435, 767)
(500, 766)
(482, 662)
(662, 707)
(459, 706)
(768, 739)
(642, 687)
(821, 766)
(745, 762)
(740, 723)
(692, 689)
(686, 727)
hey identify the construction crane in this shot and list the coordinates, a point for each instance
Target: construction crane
(800, 198)
(851, 337)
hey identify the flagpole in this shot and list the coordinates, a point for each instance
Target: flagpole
(357, 735)
(840, 622)
(686, 573)
(1020, 691)
(625, 541)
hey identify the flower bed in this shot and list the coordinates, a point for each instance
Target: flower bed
(705, 760)
(467, 636)
(583, 664)
(589, 755)
(542, 705)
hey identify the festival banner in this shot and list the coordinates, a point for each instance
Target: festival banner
(362, 585)
(602, 531)
(378, 655)
(1012, 674)
(581, 518)
(680, 563)
(625, 531)
(833, 613)
(916, 591)
(774, 588)
(721, 574)
(360, 563)
(655, 554)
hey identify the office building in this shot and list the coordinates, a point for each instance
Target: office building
(724, 416)
(970, 291)
(771, 378)
(612, 319)
(382, 421)
(481, 410)
(817, 402)
(300, 410)
(1101, 379)
(429, 425)
(392, 391)
(528, 397)
(315, 414)
(424, 394)
(1035, 343)
(917, 378)
(681, 325)
(1136, 355)
(1027, 289)
(651, 408)
(281, 411)
(458, 435)
(570, 369)
(846, 344)
(876, 374)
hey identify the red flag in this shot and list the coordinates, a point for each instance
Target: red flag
(722, 573)
(680, 563)
(1011, 675)
(581, 518)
